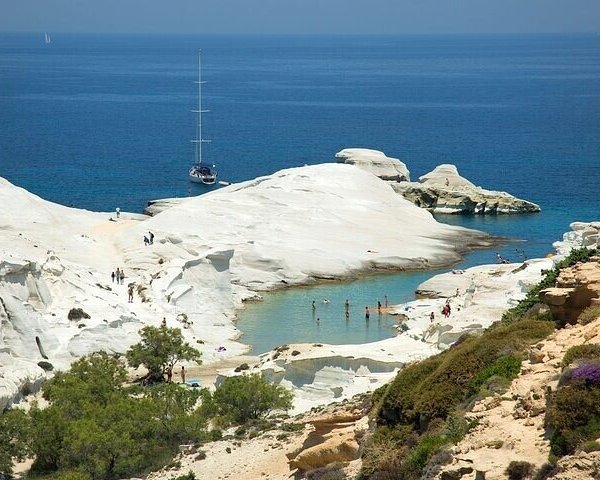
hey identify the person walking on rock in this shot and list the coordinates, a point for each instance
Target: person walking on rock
(112, 276)
(151, 237)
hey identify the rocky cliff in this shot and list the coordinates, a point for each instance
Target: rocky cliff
(443, 190)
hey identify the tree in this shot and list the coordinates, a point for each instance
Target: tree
(160, 349)
(247, 397)
(14, 427)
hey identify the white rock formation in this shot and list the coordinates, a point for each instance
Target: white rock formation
(376, 162)
(582, 234)
(443, 190)
(209, 254)
(478, 297)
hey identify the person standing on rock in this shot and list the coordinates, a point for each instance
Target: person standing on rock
(118, 275)
(151, 237)
(182, 374)
(122, 277)
(130, 294)
(112, 276)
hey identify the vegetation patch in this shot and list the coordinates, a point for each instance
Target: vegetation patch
(581, 352)
(589, 315)
(97, 427)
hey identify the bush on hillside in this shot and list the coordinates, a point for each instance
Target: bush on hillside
(246, 397)
(417, 412)
(589, 351)
(573, 416)
(519, 470)
(589, 315)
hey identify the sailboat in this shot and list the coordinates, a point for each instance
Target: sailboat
(201, 172)
(47, 39)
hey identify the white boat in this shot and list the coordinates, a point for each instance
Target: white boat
(47, 39)
(201, 172)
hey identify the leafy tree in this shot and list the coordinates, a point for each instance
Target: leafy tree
(161, 348)
(247, 397)
(14, 431)
(48, 428)
(98, 429)
(92, 378)
(173, 408)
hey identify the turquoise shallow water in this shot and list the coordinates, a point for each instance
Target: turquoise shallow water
(287, 316)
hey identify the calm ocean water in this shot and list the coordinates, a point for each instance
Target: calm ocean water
(104, 121)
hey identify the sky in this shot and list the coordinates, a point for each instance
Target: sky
(300, 16)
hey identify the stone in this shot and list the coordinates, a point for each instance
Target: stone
(375, 162)
(443, 190)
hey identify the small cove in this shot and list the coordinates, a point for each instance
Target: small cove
(286, 316)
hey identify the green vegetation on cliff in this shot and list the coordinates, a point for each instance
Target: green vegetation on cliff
(422, 410)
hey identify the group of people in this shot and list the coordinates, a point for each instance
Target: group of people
(347, 308)
(169, 373)
(149, 239)
(118, 276)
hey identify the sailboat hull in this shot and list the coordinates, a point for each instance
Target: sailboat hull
(202, 174)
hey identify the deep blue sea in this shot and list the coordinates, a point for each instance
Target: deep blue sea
(100, 121)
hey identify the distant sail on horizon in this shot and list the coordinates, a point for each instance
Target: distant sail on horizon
(47, 38)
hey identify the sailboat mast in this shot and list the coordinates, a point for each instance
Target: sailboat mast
(199, 144)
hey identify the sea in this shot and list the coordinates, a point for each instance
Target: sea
(105, 121)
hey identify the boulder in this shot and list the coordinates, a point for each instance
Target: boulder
(443, 190)
(577, 288)
(332, 440)
(376, 162)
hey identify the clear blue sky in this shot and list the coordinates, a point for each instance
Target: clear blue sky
(300, 16)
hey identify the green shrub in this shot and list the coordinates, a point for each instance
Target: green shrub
(419, 456)
(589, 315)
(519, 470)
(246, 397)
(506, 367)
(14, 433)
(589, 351)
(573, 417)
(590, 446)
(188, 476)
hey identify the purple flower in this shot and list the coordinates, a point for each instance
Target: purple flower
(590, 373)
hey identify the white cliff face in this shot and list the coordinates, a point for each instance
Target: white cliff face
(209, 254)
(375, 162)
(443, 190)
